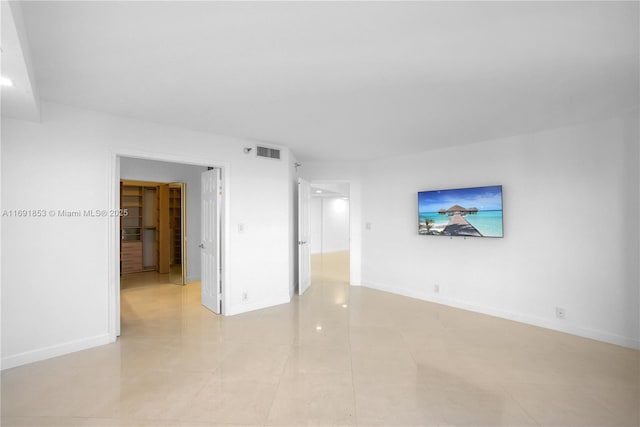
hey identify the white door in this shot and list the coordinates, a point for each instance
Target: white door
(210, 241)
(304, 231)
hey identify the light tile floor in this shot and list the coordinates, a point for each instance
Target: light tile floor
(381, 360)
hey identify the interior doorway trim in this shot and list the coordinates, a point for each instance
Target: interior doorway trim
(114, 224)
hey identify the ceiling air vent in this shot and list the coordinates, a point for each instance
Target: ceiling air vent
(270, 153)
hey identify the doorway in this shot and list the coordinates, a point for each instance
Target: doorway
(166, 169)
(330, 232)
(152, 233)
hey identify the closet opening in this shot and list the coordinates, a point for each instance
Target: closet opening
(152, 233)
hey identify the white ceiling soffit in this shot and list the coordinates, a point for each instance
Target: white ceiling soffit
(342, 80)
(326, 194)
(329, 189)
(19, 101)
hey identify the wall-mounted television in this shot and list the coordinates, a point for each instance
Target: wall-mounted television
(469, 212)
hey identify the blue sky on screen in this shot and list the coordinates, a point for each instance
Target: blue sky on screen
(483, 198)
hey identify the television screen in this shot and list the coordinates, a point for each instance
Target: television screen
(473, 211)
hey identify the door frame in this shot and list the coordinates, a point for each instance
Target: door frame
(303, 222)
(183, 229)
(113, 308)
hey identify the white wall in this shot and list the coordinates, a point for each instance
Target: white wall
(329, 224)
(315, 225)
(56, 277)
(150, 170)
(570, 229)
(1, 223)
(335, 224)
(633, 164)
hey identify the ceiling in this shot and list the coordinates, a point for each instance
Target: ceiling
(341, 80)
(22, 100)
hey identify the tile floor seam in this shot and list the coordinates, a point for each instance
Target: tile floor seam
(591, 392)
(275, 394)
(517, 401)
(353, 381)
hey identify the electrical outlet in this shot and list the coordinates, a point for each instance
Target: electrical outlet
(245, 296)
(560, 313)
(436, 289)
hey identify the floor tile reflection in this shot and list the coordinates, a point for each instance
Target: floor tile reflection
(338, 355)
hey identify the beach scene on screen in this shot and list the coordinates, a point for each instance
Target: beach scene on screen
(475, 212)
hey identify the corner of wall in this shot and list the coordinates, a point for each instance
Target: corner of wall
(258, 305)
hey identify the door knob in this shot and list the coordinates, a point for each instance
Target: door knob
(201, 245)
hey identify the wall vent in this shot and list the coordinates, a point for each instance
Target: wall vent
(271, 153)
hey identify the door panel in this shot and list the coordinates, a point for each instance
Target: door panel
(210, 240)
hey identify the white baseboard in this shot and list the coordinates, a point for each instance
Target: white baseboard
(54, 351)
(257, 305)
(517, 317)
